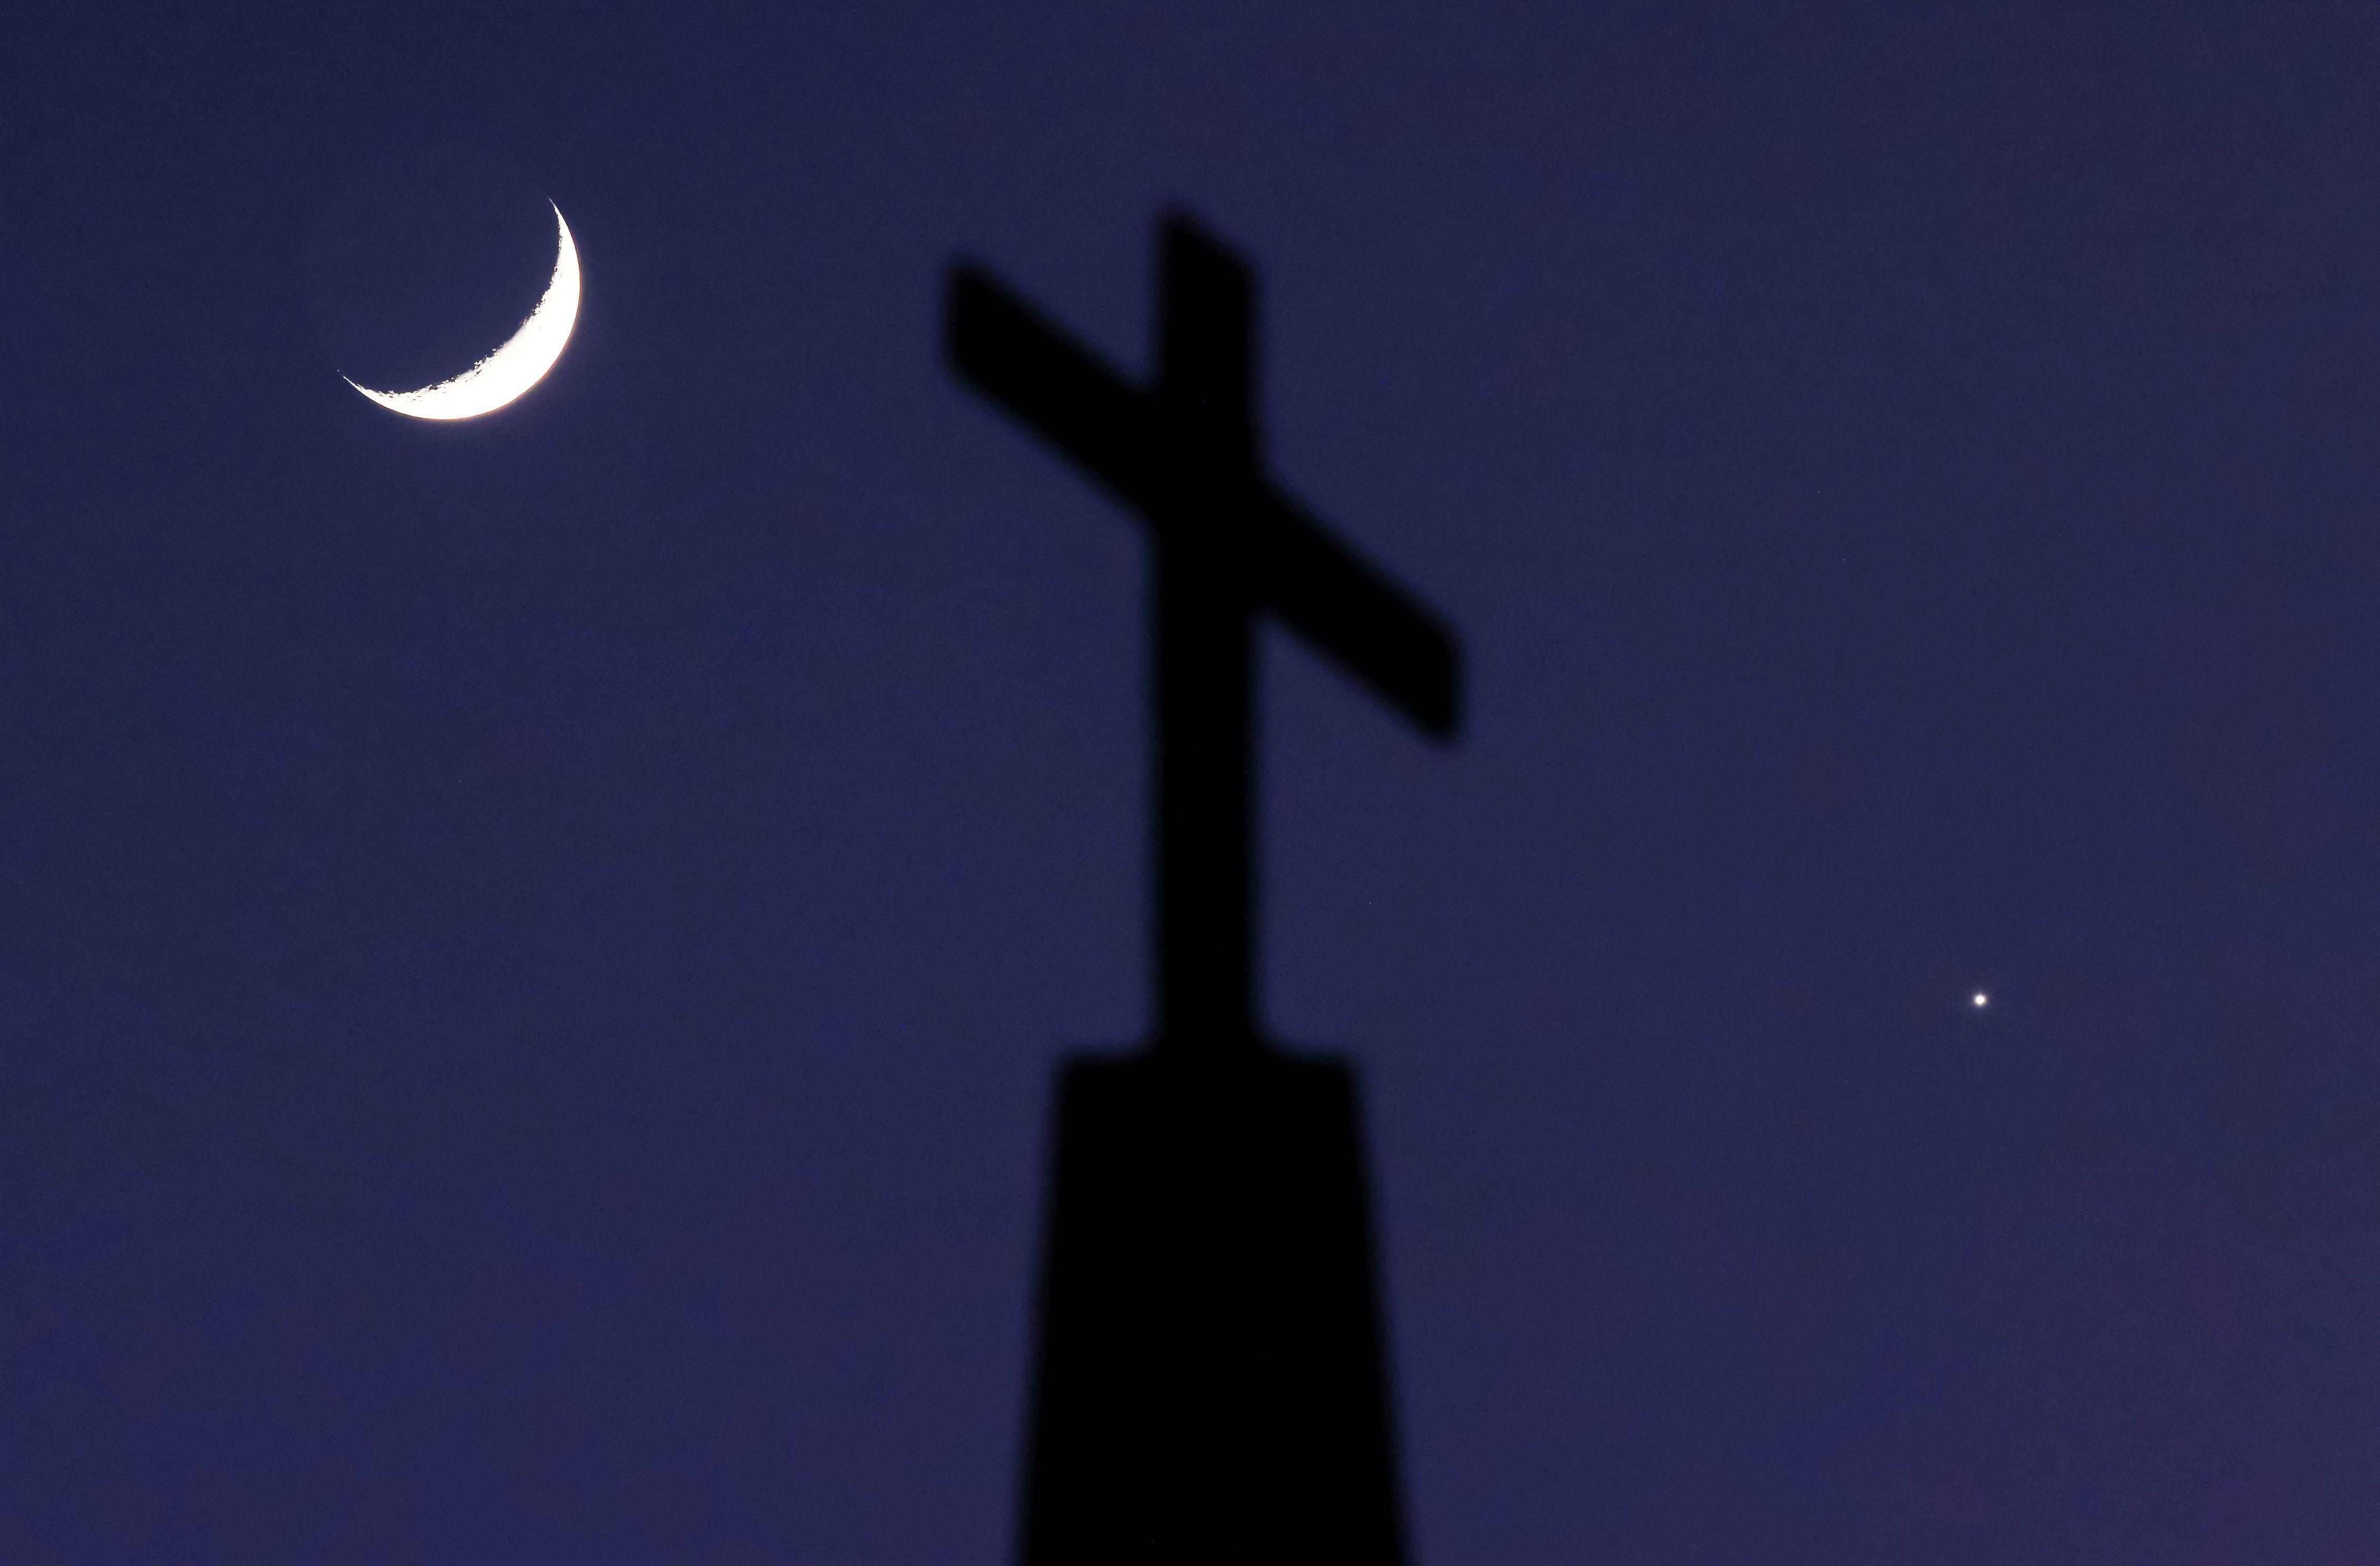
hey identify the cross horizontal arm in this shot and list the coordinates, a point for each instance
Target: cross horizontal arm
(1037, 372)
(1348, 611)
(1353, 614)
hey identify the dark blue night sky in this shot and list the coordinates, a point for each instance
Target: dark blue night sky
(532, 951)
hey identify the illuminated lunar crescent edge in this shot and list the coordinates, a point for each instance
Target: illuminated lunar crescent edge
(513, 368)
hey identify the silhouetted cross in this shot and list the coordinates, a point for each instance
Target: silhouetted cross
(1184, 453)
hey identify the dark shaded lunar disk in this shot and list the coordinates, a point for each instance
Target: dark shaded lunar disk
(426, 264)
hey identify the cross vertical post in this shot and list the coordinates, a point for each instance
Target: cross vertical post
(1204, 934)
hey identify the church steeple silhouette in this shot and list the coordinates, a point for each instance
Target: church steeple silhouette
(1210, 1383)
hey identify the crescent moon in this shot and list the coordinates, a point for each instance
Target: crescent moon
(513, 368)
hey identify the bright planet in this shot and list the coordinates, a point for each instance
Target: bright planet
(520, 362)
